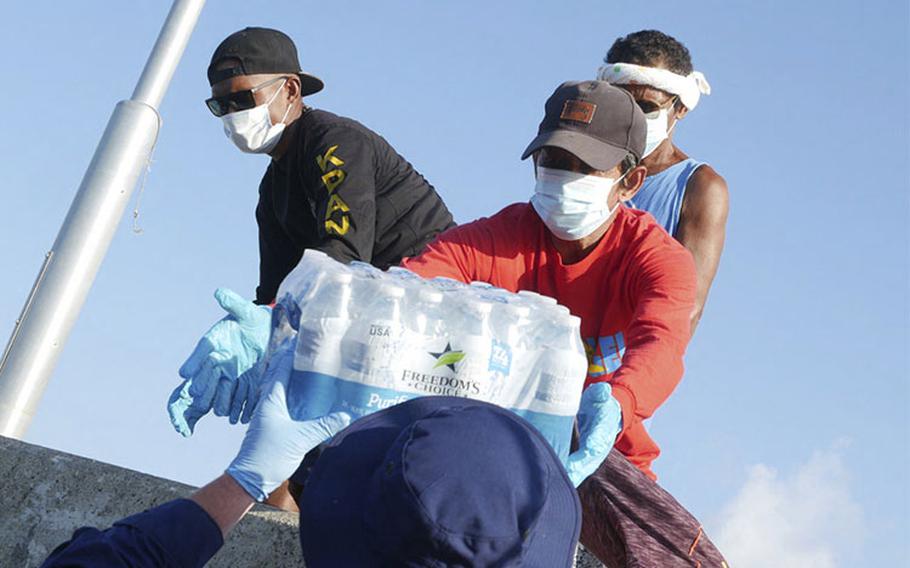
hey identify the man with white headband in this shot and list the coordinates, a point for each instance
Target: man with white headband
(686, 196)
(633, 287)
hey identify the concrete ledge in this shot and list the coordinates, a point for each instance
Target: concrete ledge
(45, 495)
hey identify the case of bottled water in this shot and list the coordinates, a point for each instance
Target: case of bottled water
(365, 340)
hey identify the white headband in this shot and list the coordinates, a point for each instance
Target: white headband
(688, 88)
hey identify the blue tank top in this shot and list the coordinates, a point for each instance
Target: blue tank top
(662, 194)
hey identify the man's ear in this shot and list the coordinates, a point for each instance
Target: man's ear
(294, 89)
(633, 181)
(680, 110)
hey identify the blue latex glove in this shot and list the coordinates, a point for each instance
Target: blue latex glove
(275, 443)
(222, 372)
(599, 422)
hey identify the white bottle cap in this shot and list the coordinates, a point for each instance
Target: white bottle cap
(539, 297)
(313, 253)
(340, 277)
(402, 273)
(391, 290)
(447, 284)
(478, 306)
(517, 310)
(430, 295)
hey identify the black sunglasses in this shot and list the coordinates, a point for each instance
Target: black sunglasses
(649, 107)
(241, 100)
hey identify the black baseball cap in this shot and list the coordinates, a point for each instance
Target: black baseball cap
(599, 123)
(260, 50)
(439, 481)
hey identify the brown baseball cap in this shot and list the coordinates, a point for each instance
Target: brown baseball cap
(599, 123)
(260, 50)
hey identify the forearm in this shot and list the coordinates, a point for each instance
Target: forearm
(702, 230)
(657, 336)
(225, 501)
(176, 534)
(706, 264)
(646, 379)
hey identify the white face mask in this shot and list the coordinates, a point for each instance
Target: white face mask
(252, 130)
(658, 131)
(572, 205)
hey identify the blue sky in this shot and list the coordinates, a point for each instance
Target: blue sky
(792, 421)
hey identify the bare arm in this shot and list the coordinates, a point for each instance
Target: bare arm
(225, 501)
(702, 229)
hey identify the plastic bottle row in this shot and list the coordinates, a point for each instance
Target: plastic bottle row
(368, 339)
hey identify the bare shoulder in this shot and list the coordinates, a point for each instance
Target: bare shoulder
(706, 194)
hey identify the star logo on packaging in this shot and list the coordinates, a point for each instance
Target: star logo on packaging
(448, 358)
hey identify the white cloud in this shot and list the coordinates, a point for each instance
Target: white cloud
(806, 518)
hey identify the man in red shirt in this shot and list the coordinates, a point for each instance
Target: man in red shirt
(631, 283)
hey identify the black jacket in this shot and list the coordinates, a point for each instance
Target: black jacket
(342, 189)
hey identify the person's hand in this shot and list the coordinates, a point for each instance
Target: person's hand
(599, 422)
(223, 373)
(275, 443)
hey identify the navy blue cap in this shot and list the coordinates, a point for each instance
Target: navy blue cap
(439, 481)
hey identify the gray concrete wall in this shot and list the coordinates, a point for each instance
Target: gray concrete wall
(45, 495)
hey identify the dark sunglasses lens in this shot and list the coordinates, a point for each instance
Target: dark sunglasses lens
(241, 100)
(215, 106)
(648, 107)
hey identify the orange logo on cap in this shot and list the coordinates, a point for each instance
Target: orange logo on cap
(578, 111)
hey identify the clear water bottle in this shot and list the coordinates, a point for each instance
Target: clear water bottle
(428, 360)
(297, 286)
(301, 281)
(324, 321)
(365, 270)
(537, 299)
(404, 276)
(472, 345)
(294, 289)
(509, 361)
(425, 315)
(562, 310)
(558, 377)
(444, 284)
(372, 362)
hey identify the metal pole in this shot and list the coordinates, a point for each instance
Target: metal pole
(70, 267)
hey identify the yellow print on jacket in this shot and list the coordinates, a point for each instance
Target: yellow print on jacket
(332, 176)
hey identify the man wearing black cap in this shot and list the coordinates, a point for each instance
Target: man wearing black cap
(435, 481)
(632, 285)
(332, 185)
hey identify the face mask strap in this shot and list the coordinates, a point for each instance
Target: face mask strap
(289, 110)
(616, 183)
(275, 96)
(289, 106)
(670, 129)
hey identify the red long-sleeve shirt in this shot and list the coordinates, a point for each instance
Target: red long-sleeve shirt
(634, 293)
